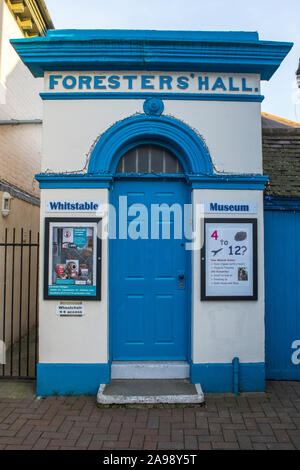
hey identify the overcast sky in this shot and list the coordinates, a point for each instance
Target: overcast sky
(276, 20)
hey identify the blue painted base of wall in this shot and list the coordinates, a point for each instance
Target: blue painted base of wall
(218, 378)
(283, 374)
(71, 379)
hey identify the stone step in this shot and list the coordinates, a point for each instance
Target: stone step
(150, 370)
(126, 391)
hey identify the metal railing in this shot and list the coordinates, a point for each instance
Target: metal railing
(19, 266)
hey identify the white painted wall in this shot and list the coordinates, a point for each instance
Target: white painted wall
(73, 340)
(231, 130)
(20, 90)
(222, 330)
(232, 133)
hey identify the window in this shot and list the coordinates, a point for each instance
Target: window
(149, 159)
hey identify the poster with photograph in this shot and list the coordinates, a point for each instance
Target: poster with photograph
(229, 260)
(72, 259)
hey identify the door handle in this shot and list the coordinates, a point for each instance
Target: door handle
(181, 276)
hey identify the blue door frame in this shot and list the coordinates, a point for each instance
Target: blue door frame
(188, 273)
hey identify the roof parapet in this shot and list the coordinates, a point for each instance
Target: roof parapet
(200, 51)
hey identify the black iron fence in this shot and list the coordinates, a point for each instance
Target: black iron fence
(19, 266)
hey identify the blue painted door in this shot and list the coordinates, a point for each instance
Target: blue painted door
(282, 274)
(149, 277)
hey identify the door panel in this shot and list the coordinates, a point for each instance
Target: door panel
(148, 307)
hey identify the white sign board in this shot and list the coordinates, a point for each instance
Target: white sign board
(154, 82)
(230, 207)
(58, 206)
(70, 309)
(229, 260)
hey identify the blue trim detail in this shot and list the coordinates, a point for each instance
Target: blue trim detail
(71, 379)
(146, 35)
(283, 374)
(136, 130)
(136, 96)
(153, 106)
(281, 203)
(73, 181)
(219, 377)
(240, 52)
(256, 182)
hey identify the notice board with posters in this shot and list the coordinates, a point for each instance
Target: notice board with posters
(72, 259)
(229, 259)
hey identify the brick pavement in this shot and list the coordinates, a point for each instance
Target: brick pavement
(260, 421)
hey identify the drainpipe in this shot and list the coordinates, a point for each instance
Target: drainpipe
(236, 375)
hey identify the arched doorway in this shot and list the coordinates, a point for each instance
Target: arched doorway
(149, 264)
(148, 159)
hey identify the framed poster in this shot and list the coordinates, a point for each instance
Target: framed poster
(229, 259)
(72, 259)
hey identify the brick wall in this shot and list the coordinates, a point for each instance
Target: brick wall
(20, 156)
(20, 146)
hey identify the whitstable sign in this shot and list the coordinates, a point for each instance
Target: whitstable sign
(230, 207)
(92, 206)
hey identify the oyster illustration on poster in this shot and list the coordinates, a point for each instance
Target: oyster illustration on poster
(229, 266)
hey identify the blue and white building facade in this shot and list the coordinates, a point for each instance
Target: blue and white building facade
(195, 98)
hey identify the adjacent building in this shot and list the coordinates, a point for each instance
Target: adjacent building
(20, 159)
(20, 117)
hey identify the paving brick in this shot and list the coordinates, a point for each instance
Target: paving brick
(64, 443)
(245, 442)
(215, 428)
(150, 445)
(225, 445)
(204, 446)
(177, 435)
(137, 442)
(191, 442)
(84, 440)
(271, 421)
(18, 447)
(265, 429)
(229, 435)
(41, 444)
(260, 446)
(170, 446)
(32, 438)
(264, 439)
(280, 446)
(7, 433)
(54, 435)
(281, 435)
(295, 438)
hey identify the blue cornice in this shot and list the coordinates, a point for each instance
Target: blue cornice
(73, 181)
(138, 96)
(155, 35)
(80, 181)
(239, 52)
(253, 182)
